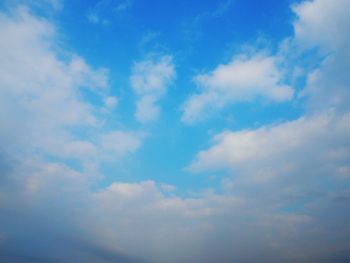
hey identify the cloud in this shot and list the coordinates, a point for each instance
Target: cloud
(300, 166)
(193, 28)
(286, 149)
(118, 143)
(150, 80)
(331, 16)
(245, 78)
(42, 93)
(110, 103)
(42, 115)
(93, 17)
(53, 207)
(297, 173)
(286, 200)
(43, 5)
(113, 223)
(327, 85)
(148, 38)
(124, 5)
(222, 8)
(104, 10)
(37, 86)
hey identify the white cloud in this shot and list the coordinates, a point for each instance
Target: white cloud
(281, 150)
(118, 143)
(303, 163)
(118, 219)
(42, 113)
(42, 93)
(330, 16)
(150, 80)
(168, 187)
(146, 109)
(37, 86)
(328, 85)
(243, 79)
(300, 165)
(275, 150)
(110, 103)
(44, 5)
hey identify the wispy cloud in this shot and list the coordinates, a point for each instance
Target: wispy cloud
(105, 10)
(150, 80)
(245, 78)
(193, 27)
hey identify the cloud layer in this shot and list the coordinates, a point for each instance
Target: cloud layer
(285, 194)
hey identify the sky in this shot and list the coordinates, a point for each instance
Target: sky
(174, 131)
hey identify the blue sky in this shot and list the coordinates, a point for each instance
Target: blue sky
(174, 131)
(176, 28)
